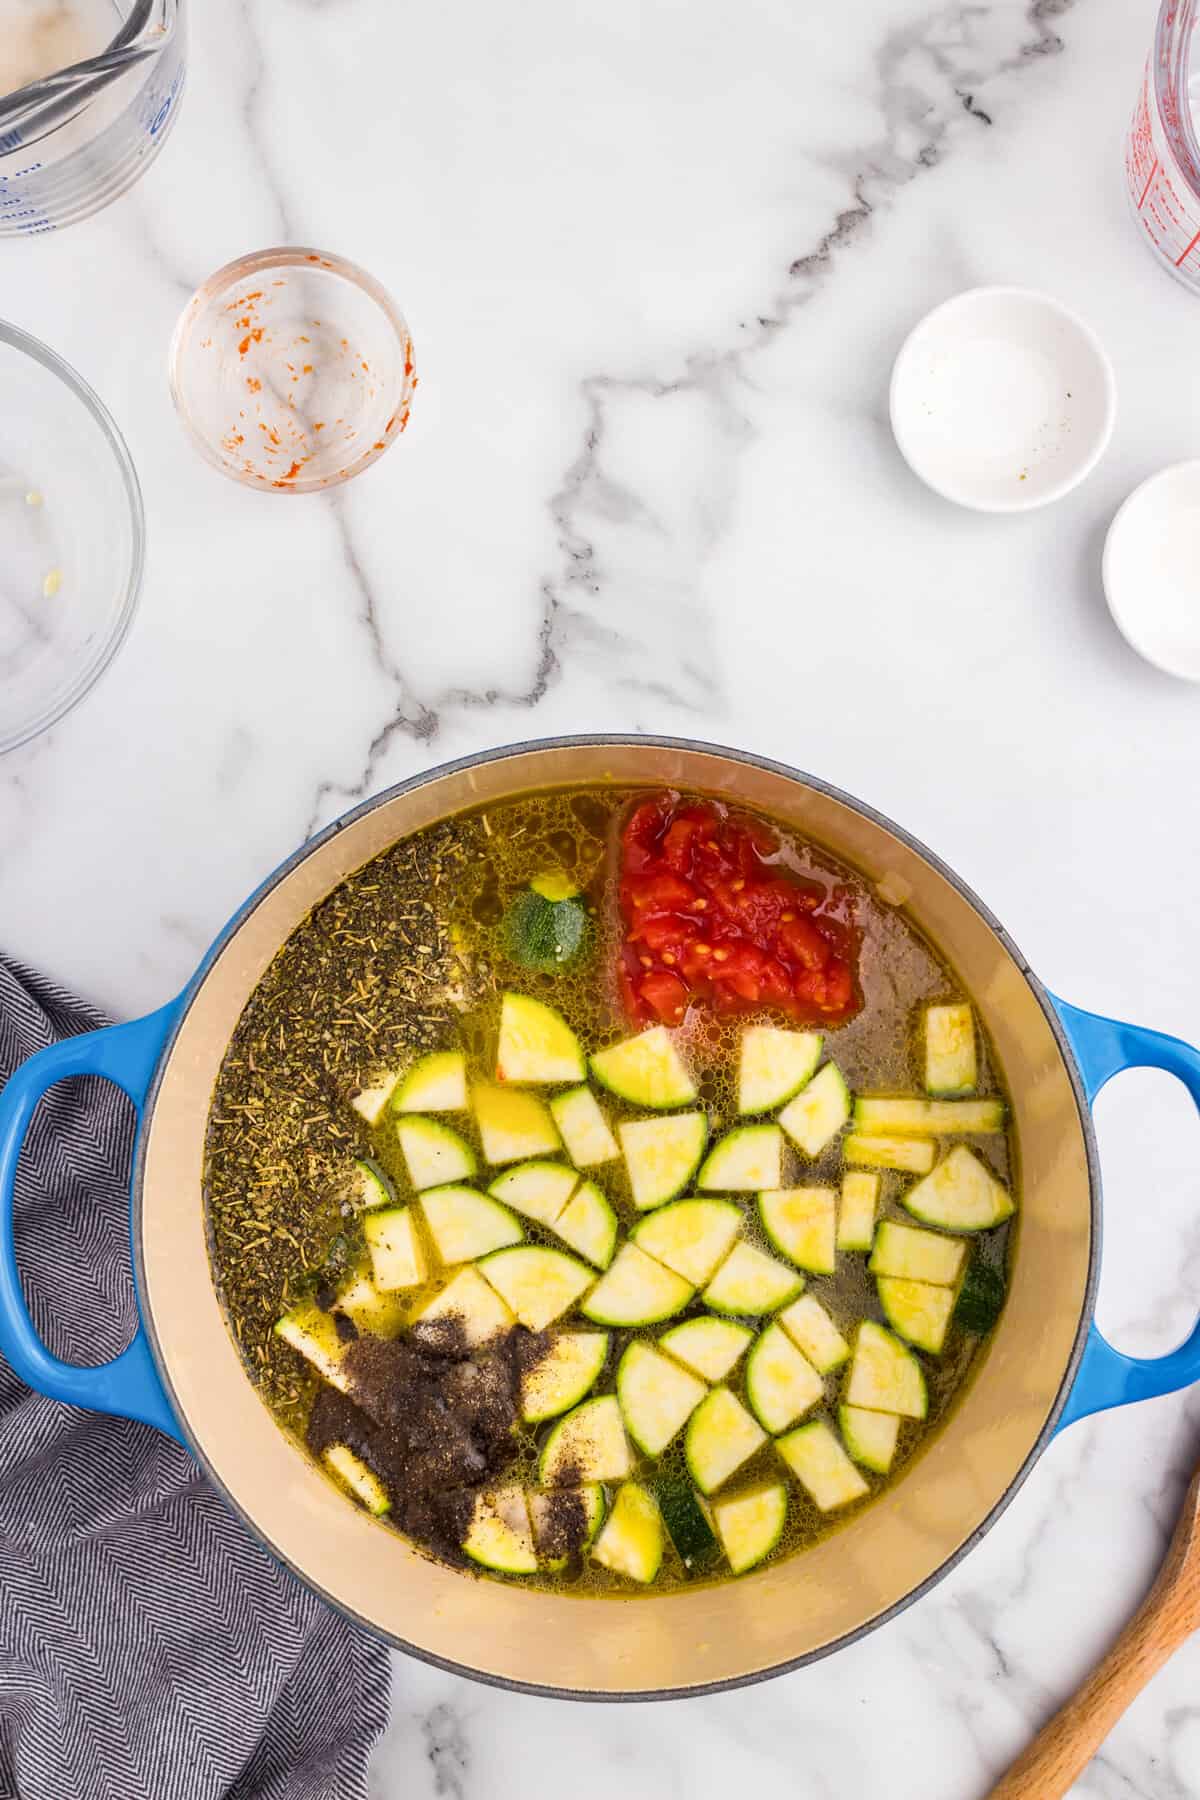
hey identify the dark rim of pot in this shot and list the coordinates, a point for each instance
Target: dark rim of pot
(600, 741)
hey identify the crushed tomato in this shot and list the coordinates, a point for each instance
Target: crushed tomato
(708, 918)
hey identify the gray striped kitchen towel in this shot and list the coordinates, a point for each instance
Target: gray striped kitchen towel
(149, 1649)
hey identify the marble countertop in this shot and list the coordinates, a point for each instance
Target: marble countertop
(657, 261)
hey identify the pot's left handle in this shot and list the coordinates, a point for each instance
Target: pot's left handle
(128, 1385)
(1107, 1377)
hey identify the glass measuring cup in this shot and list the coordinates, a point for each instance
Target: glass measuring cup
(76, 137)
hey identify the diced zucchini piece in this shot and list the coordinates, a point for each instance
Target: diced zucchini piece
(662, 1155)
(499, 1536)
(749, 1158)
(801, 1223)
(813, 1119)
(885, 1376)
(589, 1444)
(370, 1103)
(685, 1516)
(513, 1125)
(438, 1083)
(950, 1066)
(464, 1224)
(812, 1330)
(657, 1397)
(636, 1291)
(584, 1128)
(721, 1436)
(564, 1375)
(774, 1066)
(371, 1186)
(433, 1153)
(477, 1307)
(690, 1236)
(915, 1255)
(980, 1298)
(397, 1259)
(536, 1044)
(917, 1311)
(913, 1155)
(379, 1313)
(589, 1224)
(546, 925)
(870, 1437)
(539, 1285)
(749, 1281)
(709, 1346)
(645, 1070)
(545, 1513)
(781, 1383)
(538, 1190)
(961, 1194)
(856, 1213)
(363, 1483)
(820, 1465)
(315, 1335)
(631, 1542)
(751, 1524)
(927, 1118)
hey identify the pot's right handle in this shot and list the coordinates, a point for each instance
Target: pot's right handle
(128, 1385)
(1107, 1377)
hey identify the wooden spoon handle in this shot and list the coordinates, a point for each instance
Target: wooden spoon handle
(1064, 1747)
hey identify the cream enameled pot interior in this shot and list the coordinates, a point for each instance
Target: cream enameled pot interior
(735, 1629)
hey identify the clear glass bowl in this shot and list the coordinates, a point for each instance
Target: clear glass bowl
(292, 370)
(72, 537)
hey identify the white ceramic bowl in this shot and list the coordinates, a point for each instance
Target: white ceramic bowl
(1151, 570)
(1002, 399)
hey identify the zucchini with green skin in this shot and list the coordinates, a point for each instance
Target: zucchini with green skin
(857, 1209)
(536, 1044)
(537, 1190)
(750, 1282)
(802, 1225)
(397, 1259)
(980, 1298)
(473, 1304)
(911, 1254)
(545, 1515)
(916, 1311)
(690, 1236)
(870, 1437)
(538, 1285)
(369, 1309)
(774, 1065)
(813, 1119)
(371, 1187)
(656, 1396)
(584, 1128)
(709, 1347)
(569, 1370)
(927, 1118)
(546, 927)
(950, 1062)
(781, 1383)
(746, 1159)
(588, 1444)
(514, 1126)
(662, 1155)
(813, 1331)
(876, 1151)
(631, 1542)
(686, 1519)
(362, 1482)
(463, 1224)
(588, 1224)
(499, 1536)
(433, 1154)
(636, 1290)
(821, 1466)
(370, 1103)
(315, 1335)
(720, 1437)
(751, 1524)
(646, 1070)
(961, 1194)
(438, 1083)
(885, 1376)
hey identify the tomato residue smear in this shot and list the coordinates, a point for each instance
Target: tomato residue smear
(708, 919)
